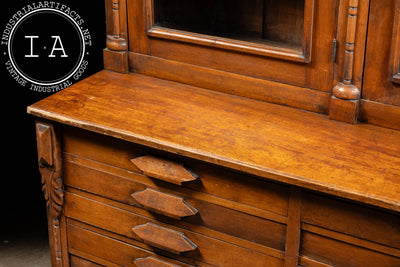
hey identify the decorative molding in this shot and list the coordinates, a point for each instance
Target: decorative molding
(49, 157)
(346, 90)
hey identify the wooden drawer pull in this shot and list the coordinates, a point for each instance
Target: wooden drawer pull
(164, 238)
(153, 262)
(165, 204)
(166, 170)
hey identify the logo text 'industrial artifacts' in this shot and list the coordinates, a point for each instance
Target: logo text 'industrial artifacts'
(45, 44)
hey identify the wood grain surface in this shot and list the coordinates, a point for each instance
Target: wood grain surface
(360, 162)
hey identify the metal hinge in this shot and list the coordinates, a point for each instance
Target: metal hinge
(334, 49)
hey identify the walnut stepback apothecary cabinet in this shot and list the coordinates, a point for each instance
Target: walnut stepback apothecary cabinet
(230, 133)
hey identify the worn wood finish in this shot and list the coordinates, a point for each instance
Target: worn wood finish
(165, 170)
(236, 124)
(166, 204)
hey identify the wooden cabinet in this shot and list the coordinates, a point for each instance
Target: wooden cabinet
(229, 133)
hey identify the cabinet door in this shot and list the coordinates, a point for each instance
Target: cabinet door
(380, 102)
(271, 50)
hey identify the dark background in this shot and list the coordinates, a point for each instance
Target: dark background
(22, 205)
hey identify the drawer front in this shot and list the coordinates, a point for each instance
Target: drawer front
(212, 180)
(114, 252)
(162, 238)
(79, 262)
(187, 205)
(361, 222)
(336, 253)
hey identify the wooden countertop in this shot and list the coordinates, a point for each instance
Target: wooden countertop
(359, 162)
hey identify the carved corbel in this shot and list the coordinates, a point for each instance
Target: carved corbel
(346, 95)
(49, 156)
(116, 54)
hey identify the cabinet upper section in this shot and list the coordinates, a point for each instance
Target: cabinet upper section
(307, 54)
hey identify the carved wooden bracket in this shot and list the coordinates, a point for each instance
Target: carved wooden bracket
(116, 55)
(49, 156)
(346, 95)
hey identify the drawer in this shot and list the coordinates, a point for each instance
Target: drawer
(337, 253)
(161, 238)
(357, 221)
(110, 252)
(213, 180)
(164, 202)
(80, 262)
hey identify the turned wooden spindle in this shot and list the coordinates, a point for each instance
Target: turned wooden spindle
(346, 90)
(115, 41)
(346, 95)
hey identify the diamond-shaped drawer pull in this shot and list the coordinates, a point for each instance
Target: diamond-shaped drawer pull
(165, 204)
(165, 170)
(152, 262)
(164, 238)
